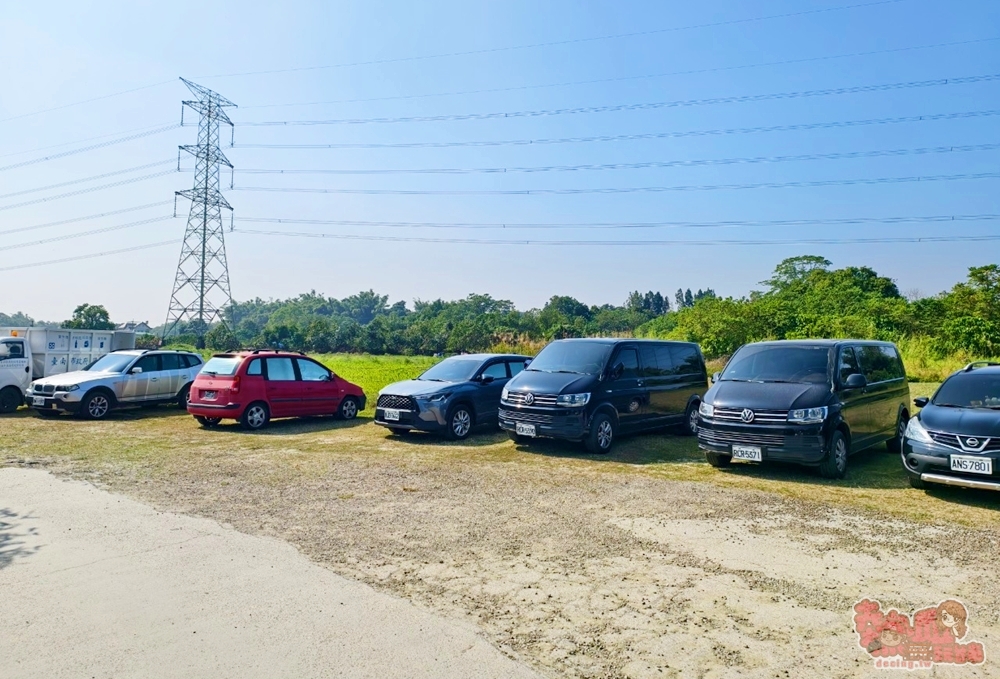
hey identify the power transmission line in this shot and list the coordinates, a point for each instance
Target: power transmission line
(168, 161)
(834, 221)
(83, 219)
(76, 258)
(520, 241)
(630, 189)
(849, 155)
(93, 232)
(648, 106)
(92, 147)
(85, 101)
(80, 141)
(490, 50)
(637, 137)
(648, 76)
(90, 189)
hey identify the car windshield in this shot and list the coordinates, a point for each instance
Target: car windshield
(969, 390)
(775, 363)
(222, 365)
(585, 358)
(454, 369)
(111, 363)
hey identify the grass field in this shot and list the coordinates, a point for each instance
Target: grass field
(153, 441)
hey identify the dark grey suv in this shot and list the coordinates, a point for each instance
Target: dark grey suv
(452, 397)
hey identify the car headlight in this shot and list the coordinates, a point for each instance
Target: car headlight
(573, 400)
(504, 394)
(807, 415)
(706, 409)
(68, 387)
(433, 398)
(916, 432)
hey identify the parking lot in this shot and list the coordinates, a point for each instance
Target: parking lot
(646, 562)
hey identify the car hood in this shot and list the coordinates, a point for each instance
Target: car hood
(419, 387)
(767, 396)
(966, 421)
(76, 377)
(539, 382)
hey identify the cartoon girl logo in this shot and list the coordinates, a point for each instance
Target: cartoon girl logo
(951, 618)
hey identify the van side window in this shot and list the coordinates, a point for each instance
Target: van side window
(650, 364)
(254, 367)
(686, 359)
(630, 359)
(848, 364)
(516, 367)
(879, 365)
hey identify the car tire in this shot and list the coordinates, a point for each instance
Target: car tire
(916, 481)
(690, 426)
(256, 416)
(834, 465)
(895, 444)
(602, 434)
(718, 460)
(10, 399)
(348, 409)
(459, 422)
(208, 422)
(95, 406)
(184, 397)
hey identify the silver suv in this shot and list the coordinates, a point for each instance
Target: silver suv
(121, 378)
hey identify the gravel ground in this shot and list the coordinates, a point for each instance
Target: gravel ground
(590, 571)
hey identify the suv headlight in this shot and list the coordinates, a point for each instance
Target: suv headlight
(504, 394)
(433, 398)
(807, 415)
(916, 432)
(68, 387)
(706, 409)
(573, 400)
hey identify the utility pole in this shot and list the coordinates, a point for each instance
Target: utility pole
(201, 287)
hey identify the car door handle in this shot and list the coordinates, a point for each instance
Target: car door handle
(153, 379)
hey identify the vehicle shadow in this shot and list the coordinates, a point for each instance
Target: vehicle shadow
(12, 543)
(657, 447)
(481, 436)
(286, 426)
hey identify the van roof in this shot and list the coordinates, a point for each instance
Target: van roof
(823, 342)
(621, 340)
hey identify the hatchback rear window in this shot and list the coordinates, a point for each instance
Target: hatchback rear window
(222, 365)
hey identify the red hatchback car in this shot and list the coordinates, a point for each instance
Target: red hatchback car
(254, 386)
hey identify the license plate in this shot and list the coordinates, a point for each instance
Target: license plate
(524, 429)
(751, 453)
(208, 395)
(391, 415)
(37, 400)
(971, 465)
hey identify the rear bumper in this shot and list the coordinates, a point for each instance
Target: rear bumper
(227, 410)
(567, 424)
(806, 444)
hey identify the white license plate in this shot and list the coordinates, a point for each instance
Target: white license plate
(391, 415)
(37, 400)
(751, 453)
(208, 395)
(524, 429)
(971, 465)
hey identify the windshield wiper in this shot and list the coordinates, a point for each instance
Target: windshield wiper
(431, 379)
(948, 405)
(568, 372)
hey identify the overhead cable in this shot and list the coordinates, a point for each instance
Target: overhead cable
(92, 232)
(72, 220)
(637, 137)
(640, 166)
(86, 101)
(168, 161)
(107, 253)
(89, 189)
(734, 223)
(629, 189)
(81, 141)
(647, 106)
(83, 149)
(555, 43)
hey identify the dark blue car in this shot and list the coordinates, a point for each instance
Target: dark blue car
(452, 397)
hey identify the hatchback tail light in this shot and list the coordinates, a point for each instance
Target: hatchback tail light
(236, 385)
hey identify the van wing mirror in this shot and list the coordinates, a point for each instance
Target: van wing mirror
(617, 371)
(715, 377)
(921, 402)
(856, 381)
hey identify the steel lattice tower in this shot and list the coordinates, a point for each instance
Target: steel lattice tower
(201, 288)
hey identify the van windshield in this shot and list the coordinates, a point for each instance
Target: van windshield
(584, 358)
(775, 363)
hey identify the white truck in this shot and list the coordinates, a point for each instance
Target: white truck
(28, 354)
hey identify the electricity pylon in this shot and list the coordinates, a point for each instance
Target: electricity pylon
(201, 287)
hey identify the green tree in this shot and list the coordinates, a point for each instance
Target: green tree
(90, 317)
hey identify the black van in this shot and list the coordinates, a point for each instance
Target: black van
(591, 390)
(814, 402)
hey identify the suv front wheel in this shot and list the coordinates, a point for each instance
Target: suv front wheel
(602, 434)
(96, 406)
(834, 465)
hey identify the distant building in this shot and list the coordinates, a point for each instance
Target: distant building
(141, 328)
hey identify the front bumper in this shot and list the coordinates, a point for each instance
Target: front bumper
(801, 444)
(569, 424)
(931, 462)
(62, 401)
(424, 416)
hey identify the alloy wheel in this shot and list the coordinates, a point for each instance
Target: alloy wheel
(461, 423)
(349, 409)
(604, 434)
(98, 406)
(256, 417)
(693, 421)
(840, 454)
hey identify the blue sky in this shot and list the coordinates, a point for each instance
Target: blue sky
(67, 52)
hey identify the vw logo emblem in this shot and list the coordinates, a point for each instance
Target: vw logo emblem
(747, 415)
(972, 443)
(529, 399)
